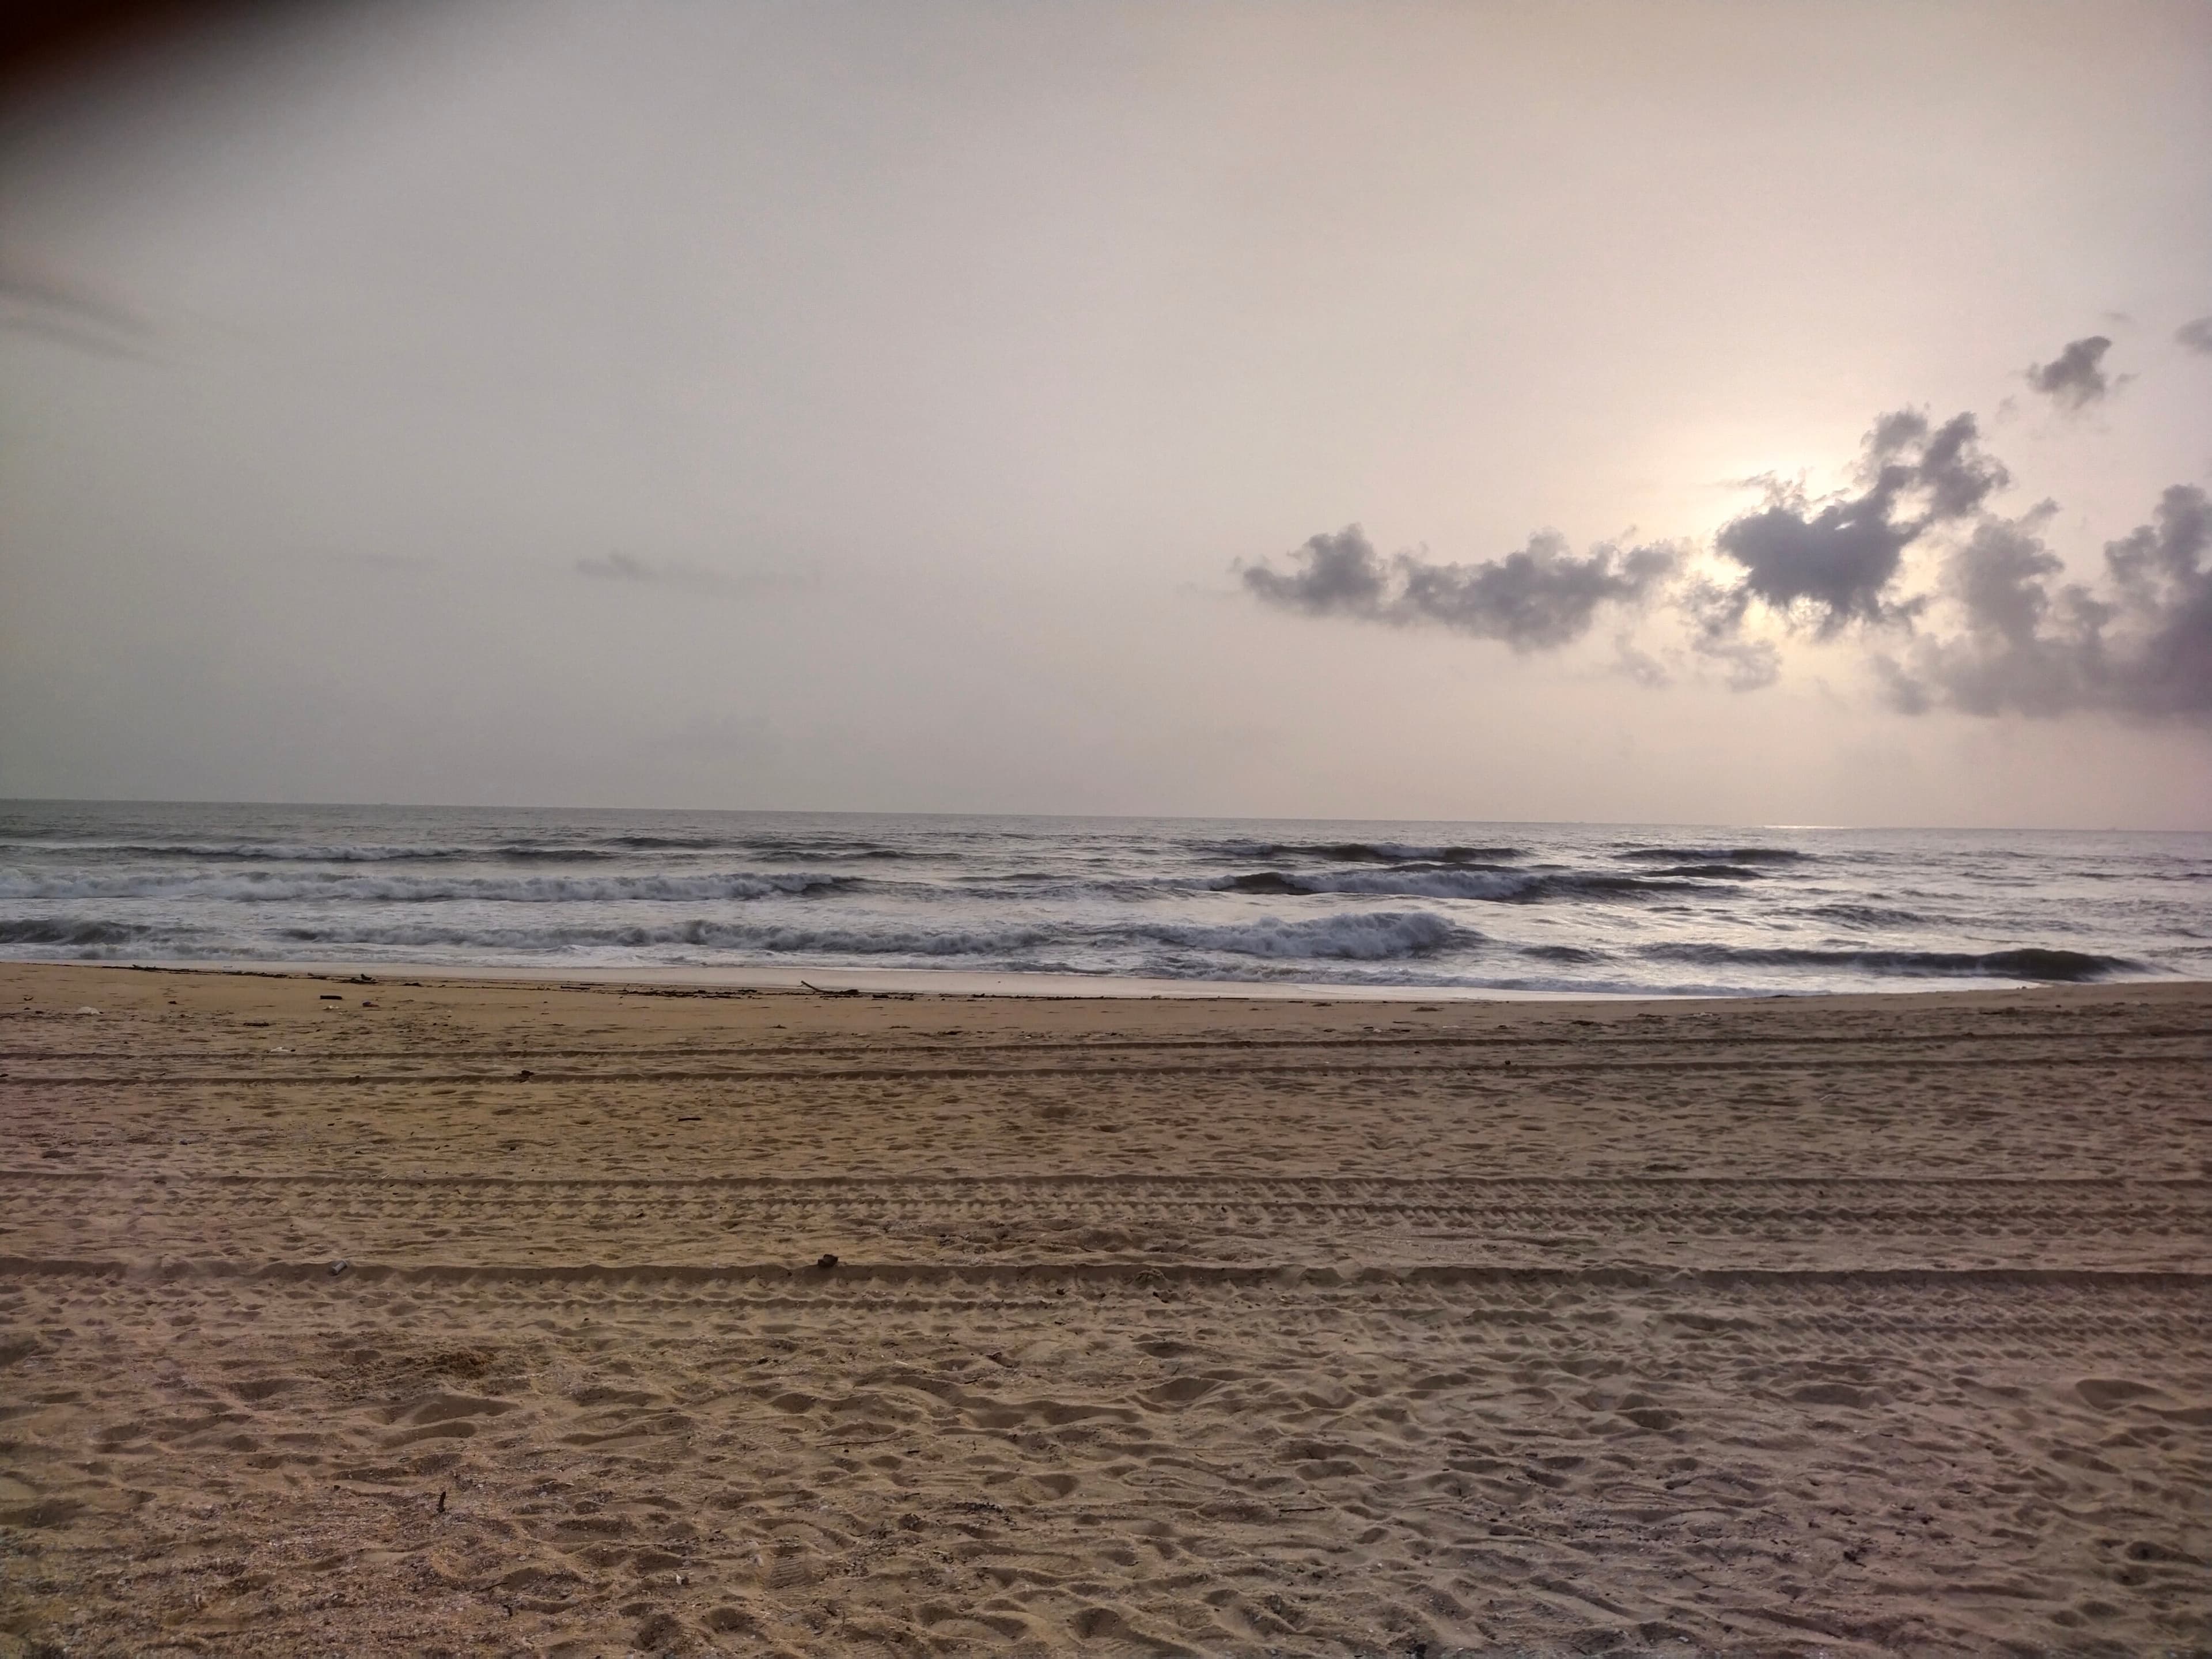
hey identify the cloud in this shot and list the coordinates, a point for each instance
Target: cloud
(1537, 598)
(72, 315)
(620, 567)
(2023, 648)
(676, 574)
(629, 568)
(1835, 563)
(2195, 335)
(2166, 593)
(2074, 378)
(1637, 664)
(1716, 617)
(1982, 620)
(1338, 575)
(2030, 646)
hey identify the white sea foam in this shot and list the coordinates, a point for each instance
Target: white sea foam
(1417, 881)
(704, 932)
(1355, 936)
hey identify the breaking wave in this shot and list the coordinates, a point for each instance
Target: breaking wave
(287, 852)
(704, 932)
(1493, 886)
(1359, 937)
(2029, 962)
(1714, 854)
(580, 851)
(40, 930)
(1865, 916)
(1562, 907)
(1380, 936)
(1361, 852)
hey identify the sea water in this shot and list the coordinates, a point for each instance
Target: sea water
(1592, 909)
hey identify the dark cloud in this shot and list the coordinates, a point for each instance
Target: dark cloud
(2196, 334)
(2029, 645)
(1338, 576)
(1835, 563)
(2075, 378)
(2000, 632)
(2022, 648)
(1956, 476)
(2166, 595)
(1536, 598)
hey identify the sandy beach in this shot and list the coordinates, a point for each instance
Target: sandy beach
(364, 1317)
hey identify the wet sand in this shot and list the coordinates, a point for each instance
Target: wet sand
(475, 1318)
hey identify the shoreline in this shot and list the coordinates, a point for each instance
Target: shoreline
(1044, 987)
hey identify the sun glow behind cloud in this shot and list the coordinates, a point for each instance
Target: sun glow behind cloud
(1950, 601)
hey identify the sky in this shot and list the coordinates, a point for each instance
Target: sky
(1484, 412)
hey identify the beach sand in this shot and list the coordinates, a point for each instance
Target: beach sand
(472, 1318)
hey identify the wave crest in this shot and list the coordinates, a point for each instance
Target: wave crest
(66, 930)
(1493, 886)
(1359, 936)
(271, 887)
(1714, 854)
(1361, 852)
(2025, 961)
(1366, 936)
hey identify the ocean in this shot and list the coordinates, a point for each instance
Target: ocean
(1564, 908)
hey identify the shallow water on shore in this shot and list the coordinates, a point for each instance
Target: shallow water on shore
(1564, 908)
